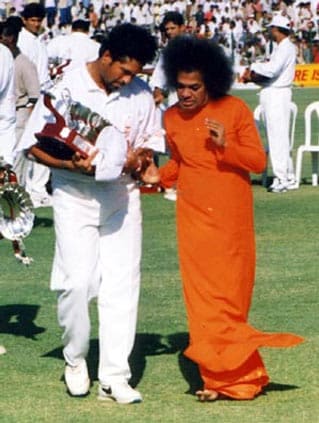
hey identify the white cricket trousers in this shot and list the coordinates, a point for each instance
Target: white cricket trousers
(276, 105)
(37, 177)
(98, 253)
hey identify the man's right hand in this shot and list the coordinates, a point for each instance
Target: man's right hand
(84, 165)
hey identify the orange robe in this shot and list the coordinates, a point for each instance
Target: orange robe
(216, 244)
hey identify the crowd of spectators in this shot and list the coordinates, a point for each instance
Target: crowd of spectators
(240, 26)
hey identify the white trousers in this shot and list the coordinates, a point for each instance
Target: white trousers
(21, 163)
(275, 102)
(98, 252)
(33, 176)
(36, 180)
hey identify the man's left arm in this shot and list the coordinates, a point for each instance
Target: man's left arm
(275, 66)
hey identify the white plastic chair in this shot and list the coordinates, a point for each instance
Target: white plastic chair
(308, 146)
(260, 122)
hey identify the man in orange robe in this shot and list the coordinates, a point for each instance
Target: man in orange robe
(214, 145)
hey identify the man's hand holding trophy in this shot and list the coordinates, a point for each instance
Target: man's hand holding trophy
(70, 143)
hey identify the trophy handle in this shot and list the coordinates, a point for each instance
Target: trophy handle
(60, 121)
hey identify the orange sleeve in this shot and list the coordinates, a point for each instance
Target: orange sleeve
(169, 171)
(243, 147)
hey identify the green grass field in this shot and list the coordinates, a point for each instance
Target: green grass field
(286, 299)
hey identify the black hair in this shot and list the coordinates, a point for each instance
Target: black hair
(189, 54)
(33, 10)
(174, 17)
(81, 25)
(15, 21)
(128, 40)
(9, 30)
(98, 35)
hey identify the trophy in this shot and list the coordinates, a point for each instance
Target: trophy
(75, 133)
(16, 212)
(78, 130)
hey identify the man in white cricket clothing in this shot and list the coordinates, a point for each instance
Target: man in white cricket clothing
(276, 77)
(97, 212)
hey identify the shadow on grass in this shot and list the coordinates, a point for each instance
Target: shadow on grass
(154, 344)
(18, 319)
(258, 181)
(272, 386)
(43, 222)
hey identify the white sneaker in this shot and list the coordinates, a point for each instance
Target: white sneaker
(121, 392)
(277, 186)
(77, 379)
(170, 194)
(292, 184)
(274, 183)
(2, 350)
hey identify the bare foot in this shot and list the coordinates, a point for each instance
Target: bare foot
(207, 395)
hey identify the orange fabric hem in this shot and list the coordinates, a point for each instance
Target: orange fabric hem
(243, 392)
(243, 383)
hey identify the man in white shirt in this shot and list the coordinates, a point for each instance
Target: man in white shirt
(96, 207)
(30, 45)
(29, 42)
(7, 112)
(27, 91)
(76, 47)
(276, 77)
(173, 25)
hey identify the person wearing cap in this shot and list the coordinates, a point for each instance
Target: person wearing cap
(275, 78)
(76, 47)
